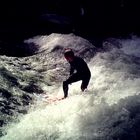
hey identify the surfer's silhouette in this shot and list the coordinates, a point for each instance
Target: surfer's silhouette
(82, 71)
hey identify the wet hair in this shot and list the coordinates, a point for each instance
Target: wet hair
(68, 53)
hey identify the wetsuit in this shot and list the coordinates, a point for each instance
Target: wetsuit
(82, 73)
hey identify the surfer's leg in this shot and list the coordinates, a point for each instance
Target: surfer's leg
(85, 82)
(65, 88)
(74, 78)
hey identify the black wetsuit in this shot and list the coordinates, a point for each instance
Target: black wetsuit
(82, 73)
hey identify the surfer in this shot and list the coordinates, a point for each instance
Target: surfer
(82, 71)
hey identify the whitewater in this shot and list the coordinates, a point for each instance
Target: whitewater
(108, 110)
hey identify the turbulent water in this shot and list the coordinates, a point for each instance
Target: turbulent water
(108, 110)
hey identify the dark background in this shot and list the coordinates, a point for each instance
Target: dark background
(23, 19)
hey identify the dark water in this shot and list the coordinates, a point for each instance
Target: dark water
(98, 20)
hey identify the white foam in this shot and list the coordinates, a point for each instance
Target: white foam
(100, 113)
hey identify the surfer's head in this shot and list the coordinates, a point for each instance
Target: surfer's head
(68, 54)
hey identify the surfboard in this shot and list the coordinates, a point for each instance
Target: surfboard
(48, 98)
(53, 99)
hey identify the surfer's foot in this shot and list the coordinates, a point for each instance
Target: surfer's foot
(65, 94)
(65, 97)
(83, 89)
